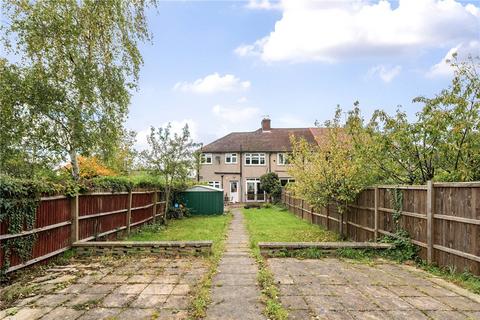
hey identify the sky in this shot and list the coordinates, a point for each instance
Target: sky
(220, 66)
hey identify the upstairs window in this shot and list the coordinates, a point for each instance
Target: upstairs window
(254, 158)
(206, 158)
(231, 158)
(282, 159)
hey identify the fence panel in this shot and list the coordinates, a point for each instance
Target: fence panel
(451, 217)
(100, 215)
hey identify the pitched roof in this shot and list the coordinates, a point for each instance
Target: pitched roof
(273, 140)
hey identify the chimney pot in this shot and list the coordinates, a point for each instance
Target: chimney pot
(266, 124)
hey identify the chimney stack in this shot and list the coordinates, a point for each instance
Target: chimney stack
(266, 124)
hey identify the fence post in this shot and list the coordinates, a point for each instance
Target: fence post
(375, 228)
(303, 217)
(74, 215)
(129, 211)
(430, 213)
(328, 217)
(155, 206)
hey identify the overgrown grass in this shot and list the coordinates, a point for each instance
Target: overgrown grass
(465, 279)
(276, 224)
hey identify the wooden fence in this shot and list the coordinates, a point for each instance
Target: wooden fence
(443, 219)
(62, 221)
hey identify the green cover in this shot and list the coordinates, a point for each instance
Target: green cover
(204, 202)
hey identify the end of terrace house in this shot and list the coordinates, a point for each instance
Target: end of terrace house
(236, 161)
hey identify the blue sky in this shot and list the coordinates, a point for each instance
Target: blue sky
(221, 65)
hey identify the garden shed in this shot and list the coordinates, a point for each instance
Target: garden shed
(203, 200)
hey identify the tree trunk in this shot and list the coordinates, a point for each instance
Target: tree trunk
(167, 203)
(74, 163)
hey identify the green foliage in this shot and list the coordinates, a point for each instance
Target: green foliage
(464, 279)
(332, 172)
(403, 249)
(18, 204)
(442, 144)
(170, 156)
(79, 61)
(271, 184)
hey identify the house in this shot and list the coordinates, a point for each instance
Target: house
(236, 161)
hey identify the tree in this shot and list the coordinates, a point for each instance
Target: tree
(87, 52)
(442, 144)
(271, 184)
(23, 152)
(330, 172)
(170, 155)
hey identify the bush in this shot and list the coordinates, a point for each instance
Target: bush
(271, 184)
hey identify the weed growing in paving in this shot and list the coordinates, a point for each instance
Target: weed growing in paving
(273, 308)
(308, 253)
(464, 279)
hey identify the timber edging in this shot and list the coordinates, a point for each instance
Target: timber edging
(166, 248)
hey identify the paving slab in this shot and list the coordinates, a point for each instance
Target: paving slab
(139, 287)
(235, 292)
(331, 288)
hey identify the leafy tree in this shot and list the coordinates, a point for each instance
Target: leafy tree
(170, 155)
(86, 52)
(271, 184)
(442, 144)
(23, 152)
(331, 172)
(197, 156)
(122, 155)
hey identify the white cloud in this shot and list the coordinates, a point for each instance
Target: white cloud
(236, 115)
(443, 68)
(263, 5)
(213, 83)
(385, 73)
(334, 30)
(177, 126)
(242, 100)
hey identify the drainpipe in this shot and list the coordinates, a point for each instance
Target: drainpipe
(240, 182)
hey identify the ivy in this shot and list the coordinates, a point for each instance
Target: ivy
(18, 205)
(403, 247)
(397, 205)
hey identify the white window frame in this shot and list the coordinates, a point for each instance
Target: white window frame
(284, 162)
(231, 156)
(215, 184)
(260, 156)
(205, 157)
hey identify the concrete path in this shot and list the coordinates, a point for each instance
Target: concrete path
(235, 293)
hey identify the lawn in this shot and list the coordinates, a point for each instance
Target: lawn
(186, 229)
(276, 224)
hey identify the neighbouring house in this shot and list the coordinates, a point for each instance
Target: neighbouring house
(236, 161)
